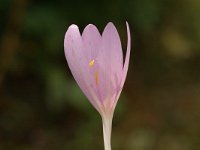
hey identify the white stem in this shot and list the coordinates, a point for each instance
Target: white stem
(107, 129)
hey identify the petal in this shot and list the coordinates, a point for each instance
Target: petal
(126, 64)
(91, 41)
(110, 61)
(112, 49)
(73, 48)
(91, 44)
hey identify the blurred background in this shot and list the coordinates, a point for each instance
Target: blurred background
(41, 106)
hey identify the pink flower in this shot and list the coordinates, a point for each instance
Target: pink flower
(96, 62)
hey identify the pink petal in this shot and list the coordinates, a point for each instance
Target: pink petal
(91, 41)
(111, 47)
(126, 64)
(110, 61)
(73, 46)
(91, 44)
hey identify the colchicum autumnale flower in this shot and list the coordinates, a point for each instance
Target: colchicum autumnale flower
(96, 62)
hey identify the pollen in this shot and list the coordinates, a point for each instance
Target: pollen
(96, 77)
(91, 63)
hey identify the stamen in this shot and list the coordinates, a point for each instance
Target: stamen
(91, 63)
(96, 77)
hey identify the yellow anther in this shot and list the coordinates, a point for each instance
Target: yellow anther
(96, 77)
(91, 64)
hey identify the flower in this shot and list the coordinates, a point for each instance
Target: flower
(96, 62)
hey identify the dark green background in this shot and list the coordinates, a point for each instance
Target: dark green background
(41, 106)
